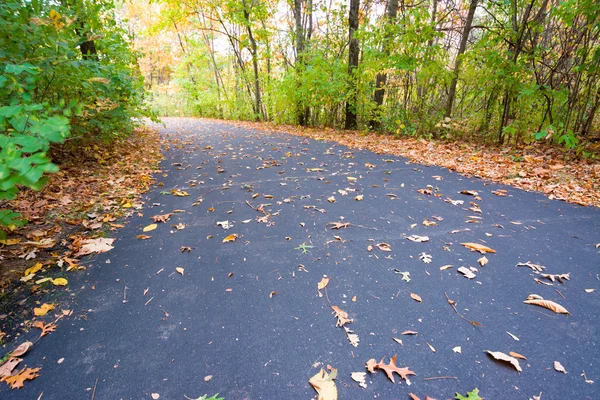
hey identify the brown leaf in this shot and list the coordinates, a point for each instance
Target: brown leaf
(99, 245)
(389, 368)
(17, 381)
(143, 237)
(6, 369)
(557, 277)
(323, 283)
(46, 328)
(352, 337)
(273, 293)
(338, 225)
(478, 247)
(161, 218)
(341, 315)
(550, 305)
(323, 383)
(416, 297)
(469, 192)
(483, 261)
(21, 349)
(383, 247)
(517, 355)
(504, 357)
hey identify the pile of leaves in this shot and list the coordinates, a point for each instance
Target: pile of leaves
(68, 219)
(538, 167)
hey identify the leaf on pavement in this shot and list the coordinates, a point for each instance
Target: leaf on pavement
(21, 349)
(323, 383)
(469, 192)
(150, 227)
(473, 395)
(17, 381)
(143, 237)
(359, 197)
(99, 245)
(161, 218)
(60, 282)
(534, 267)
(557, 277)
(426, 258)
(478, 247)
(179, 193)
(352, 337)
(230, 238)
(180, 270)
(559, 367)
(550, 305)
(32, 270)
(466, 272)
(506, 358)
(323, 283)
(389, 368)
(517, 355)
(338, 225)
(418, 239)
(383, 247)
(43, 309)
(9, 365)
(341, 315)
(360, 377)
(416, 297)
(46, 328)
(483, 261)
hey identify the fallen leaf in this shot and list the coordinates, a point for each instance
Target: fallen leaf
(409, 333)
(155, 396)
(426, 258)
(180, 270)
(352, 337)
(557, 277)
(513, 336)
(179, 193)
(323, 283)
(338, 225)
(341, 315)
(389, 368)
(517, 355)
(99, 245)
(9, 365)
(483, 261)
(559, 367)
(46, 328)
(273, 293)
(399, 341)
(383, 247)
(445, 267)
(457, 350)
(331, 199)
(478, 247)
(230, 238)
(416, 297)
(360, 377)
(60, 282)
(418, 239)
(143, 237)
(150, 227)
(469, 192)
(534, 267)
(224, 224)
(43, 309)
(550, 305)
(430, 347)
(504, 357)
(32, 270)
(17, 381)
(21, 349)
(323, 383)
(359, 197)
(208, 378)
(161, 218)
(466, 272)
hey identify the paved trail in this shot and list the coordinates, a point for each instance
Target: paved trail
(219, 319)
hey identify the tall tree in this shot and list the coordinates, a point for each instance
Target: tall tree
(353, 53)
(461, 50)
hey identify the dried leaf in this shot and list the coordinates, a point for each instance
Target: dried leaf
(559, 367)
(224, 224)
(46, 328)
(416, 297)
(179, 193)
(383, 247)
(478, 247)
(457, 350)
(513, 336)
(331, 199)
(359, 197)
(273, 293)
(418, 239)
(17, 381)
(550, 305)
(445, 267)
(161, 218)
(32, 270)
(21, 349)
(230, 238)
(557, 277)
(341, 315)
(466, 272)
(150, 227)
(389, 368)
(338, 225)
(517, 355)
(323, 383)
(9, 365)
(99, 245)
(323, 283)
(426, 258)
(352, 337)
(409, 333)
(534, 267)
(180, 270)
(430, 347)
(43, 309)
(360, 377)
(60, 282)
(469, 192)
(504, 357)
(143, 237)
(483, 261)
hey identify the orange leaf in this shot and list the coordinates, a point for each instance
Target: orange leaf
(416, 297)
(341, 315)
(478, 247)
(46, 328)
(230, 238)
(389, 368)
(17, 381)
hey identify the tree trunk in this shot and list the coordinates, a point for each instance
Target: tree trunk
(300, 61)
(381, 78)
(353, 53)
(461, 50)
(254, 51)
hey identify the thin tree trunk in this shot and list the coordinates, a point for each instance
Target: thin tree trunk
(461, 50)
(353, 53)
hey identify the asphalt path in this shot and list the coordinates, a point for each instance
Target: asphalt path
(248, 312)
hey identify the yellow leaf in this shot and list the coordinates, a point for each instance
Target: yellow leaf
(230, 238)
(34, 269)
(180, 270)
(43, 309)
(60, 282)
(9, 242)
(150, 227)
(324, 385)
(127, 205)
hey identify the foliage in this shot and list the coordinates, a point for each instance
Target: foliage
(472, 395)
(66, 69)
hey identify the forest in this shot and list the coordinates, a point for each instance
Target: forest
(508, 71)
